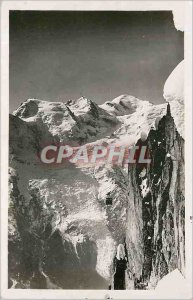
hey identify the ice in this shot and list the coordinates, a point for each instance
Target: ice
(174, 86)
(144, 188)
(174, 94)
(143, 173)
(143, 136)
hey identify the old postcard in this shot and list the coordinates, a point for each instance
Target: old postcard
(96, 141)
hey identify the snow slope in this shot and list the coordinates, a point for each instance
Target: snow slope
(122, 105)
(174, 94)
(135, 116)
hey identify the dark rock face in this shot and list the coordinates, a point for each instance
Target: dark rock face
(156, 212)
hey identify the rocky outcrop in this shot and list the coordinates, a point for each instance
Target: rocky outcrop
(155, 237)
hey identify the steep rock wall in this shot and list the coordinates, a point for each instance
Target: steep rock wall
(157, 196)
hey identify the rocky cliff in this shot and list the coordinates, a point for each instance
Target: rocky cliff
(156, 198)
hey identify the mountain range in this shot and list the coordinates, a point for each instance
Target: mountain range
(62, 233)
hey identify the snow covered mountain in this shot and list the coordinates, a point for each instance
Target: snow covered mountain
(62, 234)
(74, 122)
(123, 105)
(82, 121)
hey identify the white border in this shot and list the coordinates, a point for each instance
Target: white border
(92, 5)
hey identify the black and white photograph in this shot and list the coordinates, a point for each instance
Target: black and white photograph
(97, 157)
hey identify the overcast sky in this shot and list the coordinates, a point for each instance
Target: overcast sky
(58, 56)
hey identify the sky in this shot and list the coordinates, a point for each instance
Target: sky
(62, 55)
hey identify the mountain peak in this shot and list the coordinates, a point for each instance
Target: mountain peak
(27, 108)
(82, 105)
(33, 108)
(123, 105)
